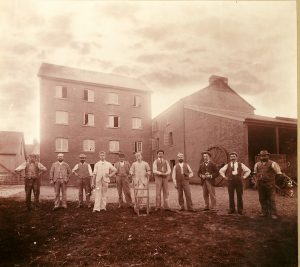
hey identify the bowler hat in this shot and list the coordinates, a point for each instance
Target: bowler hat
(233, 153)
(82, 156)
(206, 152)
(263, 153)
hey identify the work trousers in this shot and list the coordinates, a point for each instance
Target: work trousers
(123, 186)
(209, 192)
(266, 193)
(84, 184)
(183, 186)
(60, 186)
(32, 184)
(162, 185)
(235, 184)
(100, 195)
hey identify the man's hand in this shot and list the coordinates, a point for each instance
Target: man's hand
(51, 181)
(75, 173)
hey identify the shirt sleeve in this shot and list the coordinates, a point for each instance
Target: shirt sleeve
(112, 168)
(223, 170)
(154, 167)
(42, 167)
(174, 176)
(131, 171)
(246, 170)
(190, 171)
(168, 168)
(90, 170)
(255, 168)
(51, 174)
(148, 169)
(75, 168)
(95, 169)
(276, 167)
(21, 167)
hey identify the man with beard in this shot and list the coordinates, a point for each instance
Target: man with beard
(31, 170)
(207, 172)
(182, 172)
(265, 171)
(234, 172)
(84, 173)
(60, 173)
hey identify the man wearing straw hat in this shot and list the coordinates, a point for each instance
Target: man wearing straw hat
(234, 172)
(207, 172)
(182, 172)
(84, 173)
(265, 171)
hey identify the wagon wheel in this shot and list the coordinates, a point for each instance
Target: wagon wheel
(220, 157)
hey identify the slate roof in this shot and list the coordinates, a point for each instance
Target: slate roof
(96, 78)
(10, 142)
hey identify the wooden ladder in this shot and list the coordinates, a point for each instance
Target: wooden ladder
(139, 205)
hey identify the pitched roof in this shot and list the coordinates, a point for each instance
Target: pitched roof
(10, 142)
(96, 78)
(243, 117)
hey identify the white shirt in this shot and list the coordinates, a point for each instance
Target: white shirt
(155, 171)
(181, 166)
(246, 170)
(89, 168)
(274, 165)
(102, 169)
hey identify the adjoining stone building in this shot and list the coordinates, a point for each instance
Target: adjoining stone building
(217, 118)
(85, 111)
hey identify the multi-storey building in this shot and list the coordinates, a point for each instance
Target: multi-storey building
(85, 112)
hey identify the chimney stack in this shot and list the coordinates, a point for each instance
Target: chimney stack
(213, 79)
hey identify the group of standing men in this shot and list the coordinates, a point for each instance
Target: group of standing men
(139, 172)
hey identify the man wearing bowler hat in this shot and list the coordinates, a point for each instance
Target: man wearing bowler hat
(207, 172)
(123, 168)
(234, 172)
(84, 173)
(265, 171)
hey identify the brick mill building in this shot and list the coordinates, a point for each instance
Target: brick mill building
(85, 112)
(216, 118)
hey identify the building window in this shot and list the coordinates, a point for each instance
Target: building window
(114, 146)
(61, 91)
(138, 146)
(136, 123)
(137, 101)
(88, 95)
(88, 119)
(155, 126)
(61, 145)
(113, 99)
(113, 121)
(155, 144)
(61, 117)
(168, 139)
(89, 145)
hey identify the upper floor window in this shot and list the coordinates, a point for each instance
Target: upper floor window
(89, 119)
(61, 117)
(168, 139)
(155, 144)
(114, 146)
(113, 98)
(155, 126)
(61, 145)
(137, 101)
(113, 121)
(138, 146)
(88, 95)
(136, 123)
(61, 91)
(89, 145)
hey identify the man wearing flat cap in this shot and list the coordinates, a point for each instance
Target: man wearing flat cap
(60, 173)
(181, 174)
(122, 175)
(84, 173)
(234, 172)
(265, 171)
(207, 172)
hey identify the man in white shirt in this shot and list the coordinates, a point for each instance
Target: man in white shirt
(103, 171)
(234, 172)
(161, 171)
(84, 173)
(182, 172)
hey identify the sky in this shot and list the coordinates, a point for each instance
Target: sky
(172, 46)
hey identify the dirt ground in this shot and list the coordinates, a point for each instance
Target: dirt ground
(117, 237)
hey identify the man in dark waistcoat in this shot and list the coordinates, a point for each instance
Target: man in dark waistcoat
(31, 171)
(161, 171)
(207, 172)
(265, 171)
(122, 174)
(234, 172)
(84, 173)
(182, 172)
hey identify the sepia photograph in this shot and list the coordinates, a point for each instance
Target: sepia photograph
(148, 133)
